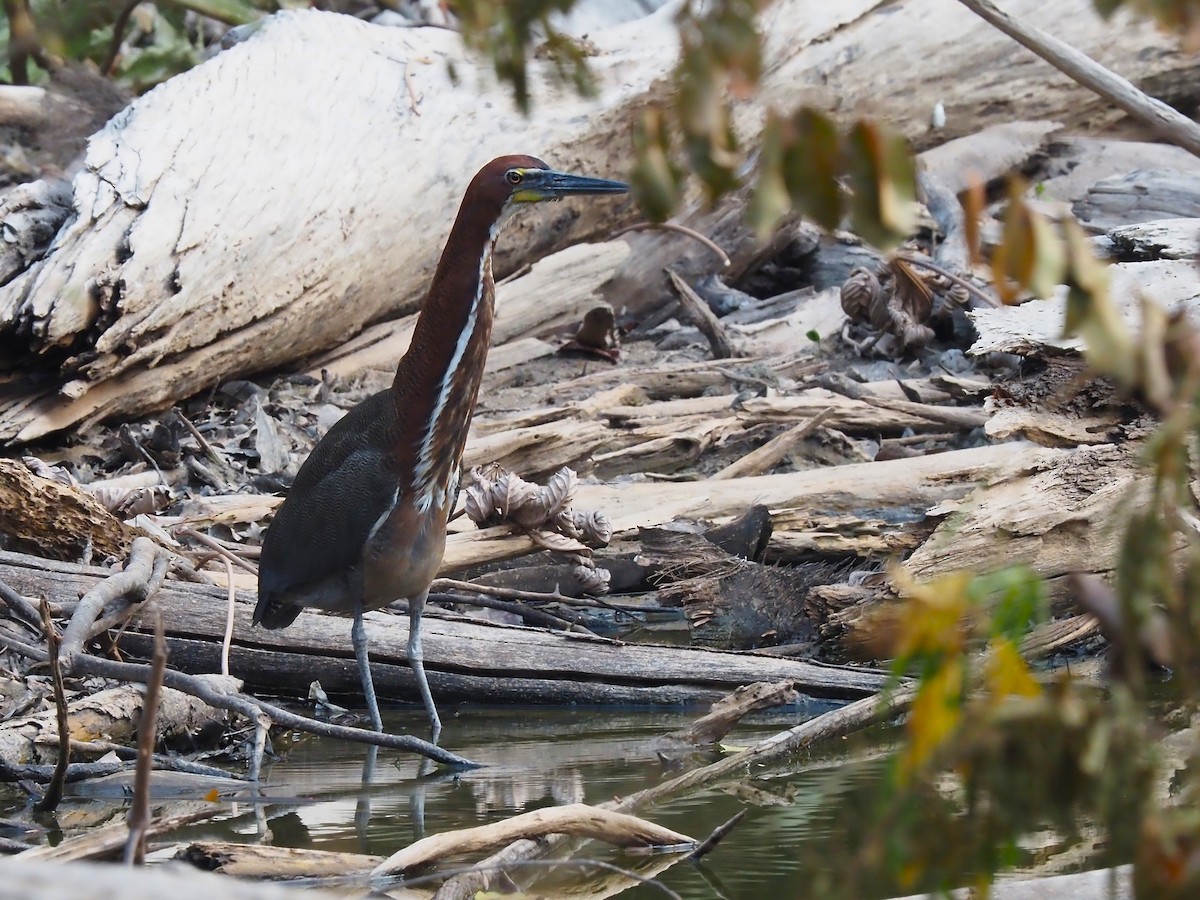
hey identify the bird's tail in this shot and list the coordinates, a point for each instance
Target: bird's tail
(272, 612)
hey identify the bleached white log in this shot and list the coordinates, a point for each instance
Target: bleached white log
(1159, 239)
(1038, 325)
(291, 191)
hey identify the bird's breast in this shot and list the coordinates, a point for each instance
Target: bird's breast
(402, 556)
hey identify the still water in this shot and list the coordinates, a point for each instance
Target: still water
(537, 757)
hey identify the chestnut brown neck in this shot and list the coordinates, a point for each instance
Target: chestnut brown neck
(437, 381)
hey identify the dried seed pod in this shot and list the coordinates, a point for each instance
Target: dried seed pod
(479, 503)
(558, 543)
(559, 491)
(595, 527)
(859, 293)
(592, 579)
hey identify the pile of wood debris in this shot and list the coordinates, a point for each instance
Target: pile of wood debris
(761, 491)
(753, 456)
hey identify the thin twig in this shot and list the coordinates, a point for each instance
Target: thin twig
(127, 760)
(679, 229)
(205, 446)
(54, 790)
(242, 704)
(555, 596)
(535, 863)
(189, 532)
(127, 434)
(1168, 122)
(262, 726)
(412, 90)
(709, 843)
(229, 608)
(530, 614)
(927, 263)
(703, 318)
(118, 37)
(21, 608)
(139, 811)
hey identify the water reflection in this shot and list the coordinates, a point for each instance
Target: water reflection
(313, 794)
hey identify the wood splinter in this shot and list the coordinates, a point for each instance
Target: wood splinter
(704, 319)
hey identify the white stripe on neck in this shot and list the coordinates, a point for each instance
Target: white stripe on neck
(428, 493)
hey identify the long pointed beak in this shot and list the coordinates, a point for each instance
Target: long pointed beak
(559, 184)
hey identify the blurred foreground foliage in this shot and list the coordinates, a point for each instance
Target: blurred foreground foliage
(137, 44)
(993, 752)
(1000, 764)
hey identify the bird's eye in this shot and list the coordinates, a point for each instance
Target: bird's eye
(513, 176)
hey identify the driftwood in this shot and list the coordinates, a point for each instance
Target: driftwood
(153, 272)
(108, 841)
(988, 154)
(909, 486)
(728, 711)
(1112, 884)
(1063, 515)
(110, 716)
(1036, 327)
(1141, 195)
(1075, 163)
(242, 860)
(56, 520)
(1159, 239)
(575, 819)
(34, 880)
(672, 434)
(1167, 122)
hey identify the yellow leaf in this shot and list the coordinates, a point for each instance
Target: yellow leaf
(974, 200)
(1006, 673)
(935, 714)
(1092, 314)
(811, 162)
(883, 180)
(931, 619)
(1030, 256)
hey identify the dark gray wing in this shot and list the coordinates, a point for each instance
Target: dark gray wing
(340, 492)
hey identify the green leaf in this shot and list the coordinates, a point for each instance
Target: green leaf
(1017, 597)
(231, 12)
(812, 162)
(813, 335)
(655, 179)
(769, 201)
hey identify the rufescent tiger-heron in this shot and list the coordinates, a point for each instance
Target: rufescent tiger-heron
(364, 523)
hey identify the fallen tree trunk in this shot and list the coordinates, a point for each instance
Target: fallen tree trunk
(575, 819)
(145, 299)
(465, 659)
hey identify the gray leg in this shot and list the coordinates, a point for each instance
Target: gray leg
(416, 659)
(358, 637)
